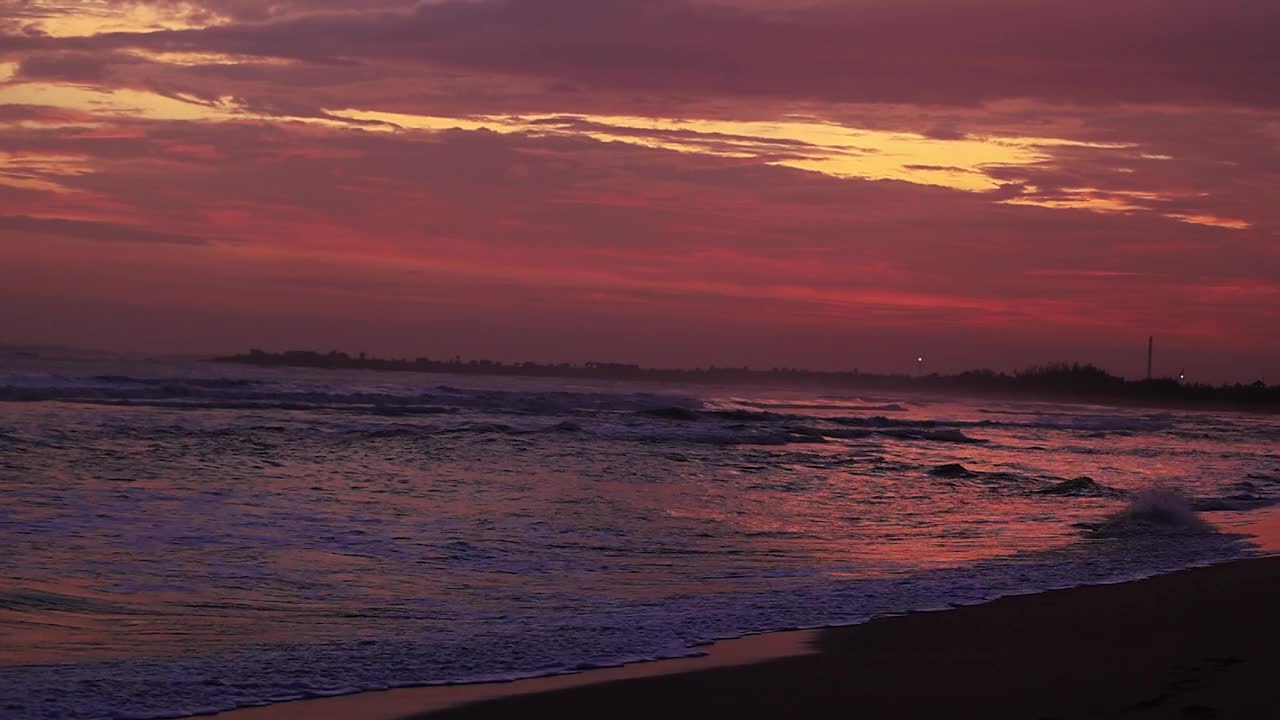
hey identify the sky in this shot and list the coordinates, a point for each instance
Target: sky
(775, 183)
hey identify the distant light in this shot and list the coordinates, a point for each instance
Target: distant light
(919, 359)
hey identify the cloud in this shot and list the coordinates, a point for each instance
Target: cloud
(68, 67)
(572, 210)
(811, 183)
(884, 51)
(92, 230)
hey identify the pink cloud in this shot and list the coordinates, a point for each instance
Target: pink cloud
(432, 228)
(899, 51)
(551, 245)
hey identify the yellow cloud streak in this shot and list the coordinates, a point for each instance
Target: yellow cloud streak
(1113, 201)
(32, 171)
(35, 172)
(1213, 221)
(800, 143)
(140, 104)
(806, 144)
(116, 102)
(821, 147)
(190, 59)
(80, 18)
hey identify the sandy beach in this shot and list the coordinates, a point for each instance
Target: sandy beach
(1195, 644)
(1200, 643)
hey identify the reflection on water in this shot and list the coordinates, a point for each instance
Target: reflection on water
(443, 528)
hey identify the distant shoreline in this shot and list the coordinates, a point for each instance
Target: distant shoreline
(1058, 382)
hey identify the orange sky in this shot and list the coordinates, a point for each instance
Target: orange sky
(671, 182)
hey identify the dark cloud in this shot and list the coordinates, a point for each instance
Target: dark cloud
(941, 168)
(900, 51)
(92, 230)
(79, 67)
(40, 114)
(1167, 108)
(944, 133)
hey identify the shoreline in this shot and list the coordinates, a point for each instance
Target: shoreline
(1197, 643)
(749, 658)
(399, 703)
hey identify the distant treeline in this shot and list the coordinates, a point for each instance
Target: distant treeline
(1060, 381)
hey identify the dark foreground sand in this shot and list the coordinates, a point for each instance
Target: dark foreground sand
(416, 701)
(1201, 643)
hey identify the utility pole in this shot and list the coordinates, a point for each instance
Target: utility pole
(1151, 344)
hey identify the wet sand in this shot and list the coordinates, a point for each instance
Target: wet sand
(1201, 643)
(405, 702)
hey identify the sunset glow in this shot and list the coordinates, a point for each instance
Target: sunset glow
(866, 175)
(433, 359)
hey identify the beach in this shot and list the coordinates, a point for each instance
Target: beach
(1195, 644)
(416, 359)
(1198, 643)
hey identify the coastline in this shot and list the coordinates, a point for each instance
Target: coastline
(1061, 382)
(414, 701)
(1197, 643)
(1137, 648)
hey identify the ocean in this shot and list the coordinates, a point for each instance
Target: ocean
(180, 537)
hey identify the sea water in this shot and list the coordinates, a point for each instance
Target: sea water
(180, 537)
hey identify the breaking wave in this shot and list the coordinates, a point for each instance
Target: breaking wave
(1156, 511)
(242, 394)
(1083, 486)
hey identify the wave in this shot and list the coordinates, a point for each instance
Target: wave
(880, 421)
(716, 421)
(1089, 424)
(223, 393)
(835, 405)
(1240, 501)
(945, 436)
(1149, 509)
(957, 471)
(672, 413)
(953, 470)
(539, 641)
(689, 414)
(235, 393)
(1083, 486)
(925, 434)
(1156, 511)
(28, 600)
(10, 439)
(850, 428)
(691, 433)
(194, 382)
